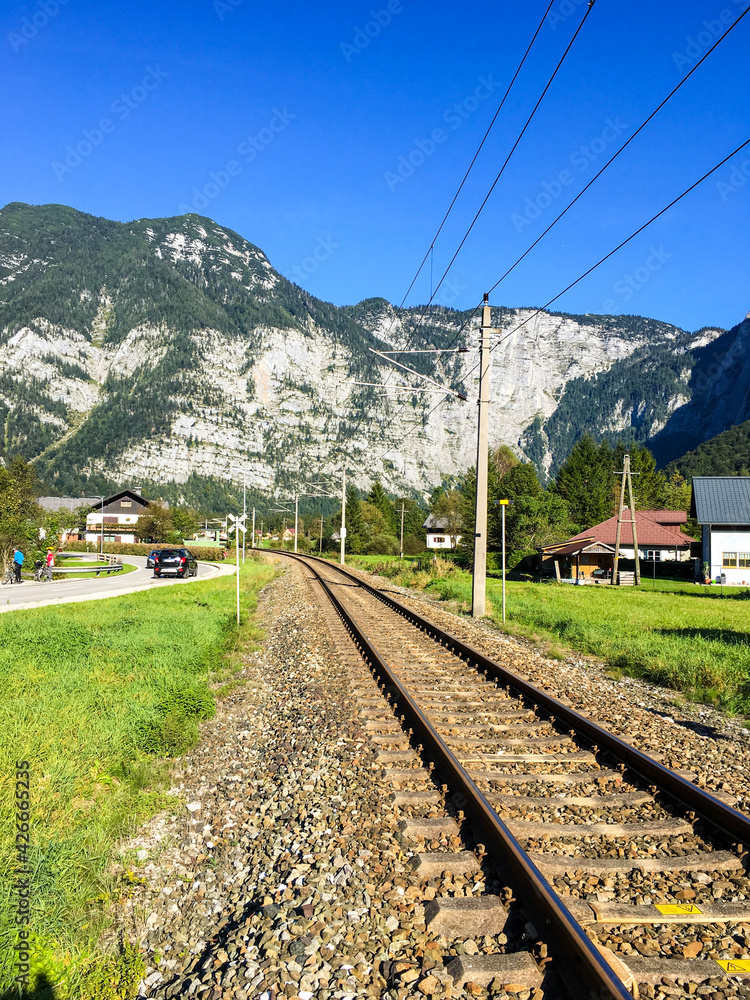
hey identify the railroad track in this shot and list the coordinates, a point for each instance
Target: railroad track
(612, 868)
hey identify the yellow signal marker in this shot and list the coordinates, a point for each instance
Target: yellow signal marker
(735, 965)
(675, 909)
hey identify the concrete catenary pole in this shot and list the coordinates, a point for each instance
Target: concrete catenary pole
(401, 553)
(342, 558)
(479, 580)
(296, 519)
(252, 540)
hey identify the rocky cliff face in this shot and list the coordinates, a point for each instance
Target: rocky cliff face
(163, 348)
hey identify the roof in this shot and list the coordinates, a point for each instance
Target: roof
(721, 499)
(433, 524)
(667, 517)
(572, 548)
(651, 534)
(97, 503)
(69, 503)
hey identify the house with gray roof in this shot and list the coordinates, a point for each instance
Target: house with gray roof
(438, 534)
(721, 505)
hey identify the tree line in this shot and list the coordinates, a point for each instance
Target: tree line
(584, 493)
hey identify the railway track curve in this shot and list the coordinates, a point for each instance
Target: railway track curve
(501, 749)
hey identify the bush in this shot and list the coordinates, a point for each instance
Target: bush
(206, 552)
(413, 545)
(381, 545)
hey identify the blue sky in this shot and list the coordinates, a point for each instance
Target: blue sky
(289, 124)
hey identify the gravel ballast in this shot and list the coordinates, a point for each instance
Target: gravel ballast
(282, 870)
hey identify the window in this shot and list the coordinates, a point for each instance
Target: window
(744, 560)
(126, 503)
(729, 560)
(439, 539)
(653, 555)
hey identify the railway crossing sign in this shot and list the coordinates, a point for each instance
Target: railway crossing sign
(238, 523)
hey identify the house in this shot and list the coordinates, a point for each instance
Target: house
(721, 505)
(120, 513)
(438, 536)
(54, 504)
(659, 540)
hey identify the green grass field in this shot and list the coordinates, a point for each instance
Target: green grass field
(96, 697)
(689, 638)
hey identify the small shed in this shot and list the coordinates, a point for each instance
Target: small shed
(579, 559)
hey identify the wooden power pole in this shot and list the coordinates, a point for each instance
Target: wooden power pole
(626, 481)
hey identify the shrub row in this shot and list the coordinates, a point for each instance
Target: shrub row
(142, 549)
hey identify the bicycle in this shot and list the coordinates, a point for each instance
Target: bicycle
(42, 573)
(9, 576)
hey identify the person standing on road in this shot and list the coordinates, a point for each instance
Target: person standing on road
(17, 563)
(50, 563)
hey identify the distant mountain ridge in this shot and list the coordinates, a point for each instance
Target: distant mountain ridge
(170, 350)
(727, 454)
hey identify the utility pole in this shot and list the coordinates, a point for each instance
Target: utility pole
(479, 579)
(342, 558)
(252, 540)
(403, 505)
(238, 525)
(626, 480)
(296, 518)
(503, 505)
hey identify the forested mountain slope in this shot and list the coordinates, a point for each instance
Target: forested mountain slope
(170, 350)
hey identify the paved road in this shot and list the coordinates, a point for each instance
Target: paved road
(34, 595)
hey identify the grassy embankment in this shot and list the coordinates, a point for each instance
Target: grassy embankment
(675, 634)
(96, 696)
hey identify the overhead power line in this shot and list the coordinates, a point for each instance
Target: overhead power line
(599, 174)
(621, 149)
(494, 184)
(619, 246)
(586, 273)
(474, 158)
(509, 156)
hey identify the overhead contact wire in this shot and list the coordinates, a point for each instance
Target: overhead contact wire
(620, 150)
(494, 184)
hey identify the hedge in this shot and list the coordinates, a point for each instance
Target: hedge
(210, 553)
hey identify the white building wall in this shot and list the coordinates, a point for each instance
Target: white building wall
(433, 541)
(730, 541)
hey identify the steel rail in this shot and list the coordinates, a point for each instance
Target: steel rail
(581, 966)
(731, 822)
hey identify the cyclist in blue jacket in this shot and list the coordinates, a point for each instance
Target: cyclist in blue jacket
(17, 563)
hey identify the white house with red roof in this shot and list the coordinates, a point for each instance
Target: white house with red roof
(591, 553)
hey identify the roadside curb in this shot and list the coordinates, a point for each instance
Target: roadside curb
(223, 570)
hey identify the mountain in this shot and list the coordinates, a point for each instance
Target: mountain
(170, 351)
(727, 454)
(670, 395)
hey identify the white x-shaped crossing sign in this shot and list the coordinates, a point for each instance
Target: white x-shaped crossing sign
(238, 522)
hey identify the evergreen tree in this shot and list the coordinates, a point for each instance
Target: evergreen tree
(648, 483)
(379, 498)
(354, 520)
(585, 482)
(677, 493)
